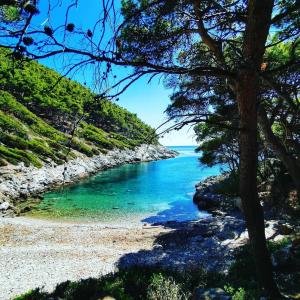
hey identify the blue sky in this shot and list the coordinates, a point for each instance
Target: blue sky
(147, 100)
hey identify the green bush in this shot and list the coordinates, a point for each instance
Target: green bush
(14, 156)
(13, 141)
(229, 186)
(81, 147)
(96, 136)
(164, 288)
(10, 124)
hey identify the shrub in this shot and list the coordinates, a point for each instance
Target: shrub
(81, 147)
(14, 156)
(164, 288)
(229, 186)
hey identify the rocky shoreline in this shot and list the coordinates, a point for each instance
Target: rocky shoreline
(19, 182)
(64, 251)
(208, 198)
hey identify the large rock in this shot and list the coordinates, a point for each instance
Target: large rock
(237, 201)
(208, 198)
(206, 201)
(4, 206)
(285, 229)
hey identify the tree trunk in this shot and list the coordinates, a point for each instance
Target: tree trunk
(247, 90)
(288, 160)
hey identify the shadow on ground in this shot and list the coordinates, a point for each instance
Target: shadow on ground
(208, 243)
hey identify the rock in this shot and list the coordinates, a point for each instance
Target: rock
(108, 298)
(5, 206)
(278, 238)
(25, 209)
(226, 235)
(205, 201)
(207, 197)
(210, 294)
(157, 247)
(208, 233)
(296, 241)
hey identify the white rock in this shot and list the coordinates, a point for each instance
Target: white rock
(4, 206)
(30, 180)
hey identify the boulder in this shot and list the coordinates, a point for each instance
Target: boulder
(206, 201)
(4, 206)
(210, 294)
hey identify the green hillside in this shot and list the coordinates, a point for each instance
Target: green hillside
(38, 117)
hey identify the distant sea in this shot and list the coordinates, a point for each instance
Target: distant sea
(143, 192)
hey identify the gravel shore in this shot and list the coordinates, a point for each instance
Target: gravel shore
(42, 253)
(37, 253)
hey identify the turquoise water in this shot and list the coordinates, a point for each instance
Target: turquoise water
(144, 192)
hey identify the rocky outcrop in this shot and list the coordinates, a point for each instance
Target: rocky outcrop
(207, 197)
(21, 182)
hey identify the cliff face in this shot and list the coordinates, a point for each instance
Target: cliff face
(20, 181)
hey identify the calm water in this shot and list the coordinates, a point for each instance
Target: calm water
(143, 192)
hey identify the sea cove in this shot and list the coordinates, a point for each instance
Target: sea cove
(147, 192)
(94, 202)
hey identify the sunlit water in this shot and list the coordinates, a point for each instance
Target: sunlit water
(143, 192)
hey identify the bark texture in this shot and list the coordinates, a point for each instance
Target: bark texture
(247, 90)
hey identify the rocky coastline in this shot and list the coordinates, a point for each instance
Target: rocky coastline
(207, 197)
(209, 243)
(19, 182)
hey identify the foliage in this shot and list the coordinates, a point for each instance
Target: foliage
(229, 186)
(238, 294)
(38, 109)
(162, 288)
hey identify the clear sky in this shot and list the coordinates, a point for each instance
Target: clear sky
(147, 100)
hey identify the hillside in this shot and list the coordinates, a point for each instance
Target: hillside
(38, 117)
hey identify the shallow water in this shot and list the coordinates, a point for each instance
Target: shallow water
(144, 192)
